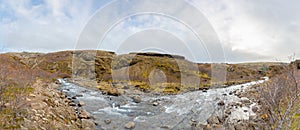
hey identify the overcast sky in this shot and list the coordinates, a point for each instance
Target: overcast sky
(247, 30)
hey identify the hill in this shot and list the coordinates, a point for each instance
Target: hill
(147, 71)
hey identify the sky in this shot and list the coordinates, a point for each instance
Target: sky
(201, 30)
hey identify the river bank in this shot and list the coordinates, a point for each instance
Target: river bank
(47, 108)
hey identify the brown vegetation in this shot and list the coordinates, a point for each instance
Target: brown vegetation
(280, 98)
(15, 84)
(150, 69)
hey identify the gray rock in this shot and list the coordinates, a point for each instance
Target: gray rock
(129, 125)
(245, 100)
(213, 120)
(165, 127)
(107, 121)
(136, 99)
(221, 103)
(254, 109)
(155, 103)
(79, 95)
(84, 115)
(81, 103)
(228, 111)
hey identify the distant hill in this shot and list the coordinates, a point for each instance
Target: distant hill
(146, 68)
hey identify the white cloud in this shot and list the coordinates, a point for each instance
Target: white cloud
(248, 30)
(262, 28)
(48, 26)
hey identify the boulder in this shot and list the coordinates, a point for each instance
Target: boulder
(245, 100)
(113, 92)
(81, 103)
(32, 95)
(221, 103)
(136, 99)
(155, 103)
(228, 111)
(254, 109)
(129, 125)
(72, 104)
(84, 115)
(79, 95)
(107, 121)
(213, 120)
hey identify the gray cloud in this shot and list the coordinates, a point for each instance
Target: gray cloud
(248, 30)
(262, 28)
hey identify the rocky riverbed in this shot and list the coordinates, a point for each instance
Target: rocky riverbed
(214, 108)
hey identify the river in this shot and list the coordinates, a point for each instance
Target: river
(159, 111)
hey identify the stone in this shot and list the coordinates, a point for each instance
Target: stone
(107, 121)
(221, 103)
(125, 87)
(155, 103)
(213, 120)
(129, 125)
(32, 95)
(72, 104)
(79, 95)
(136, 99)
(84, 115)
(87, 124)
(56, 103)
(113, 92)
(254, 109)
(245, 100)
(81, 103)
(228, 111)
(165, 127)
(63, 96)
(28, 99)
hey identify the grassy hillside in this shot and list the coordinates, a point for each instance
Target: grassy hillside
(149, 71)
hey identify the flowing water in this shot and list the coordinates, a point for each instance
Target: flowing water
(169, 112)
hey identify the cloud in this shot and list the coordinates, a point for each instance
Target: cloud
(248, 30)
(48, 25)
(261, 28)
